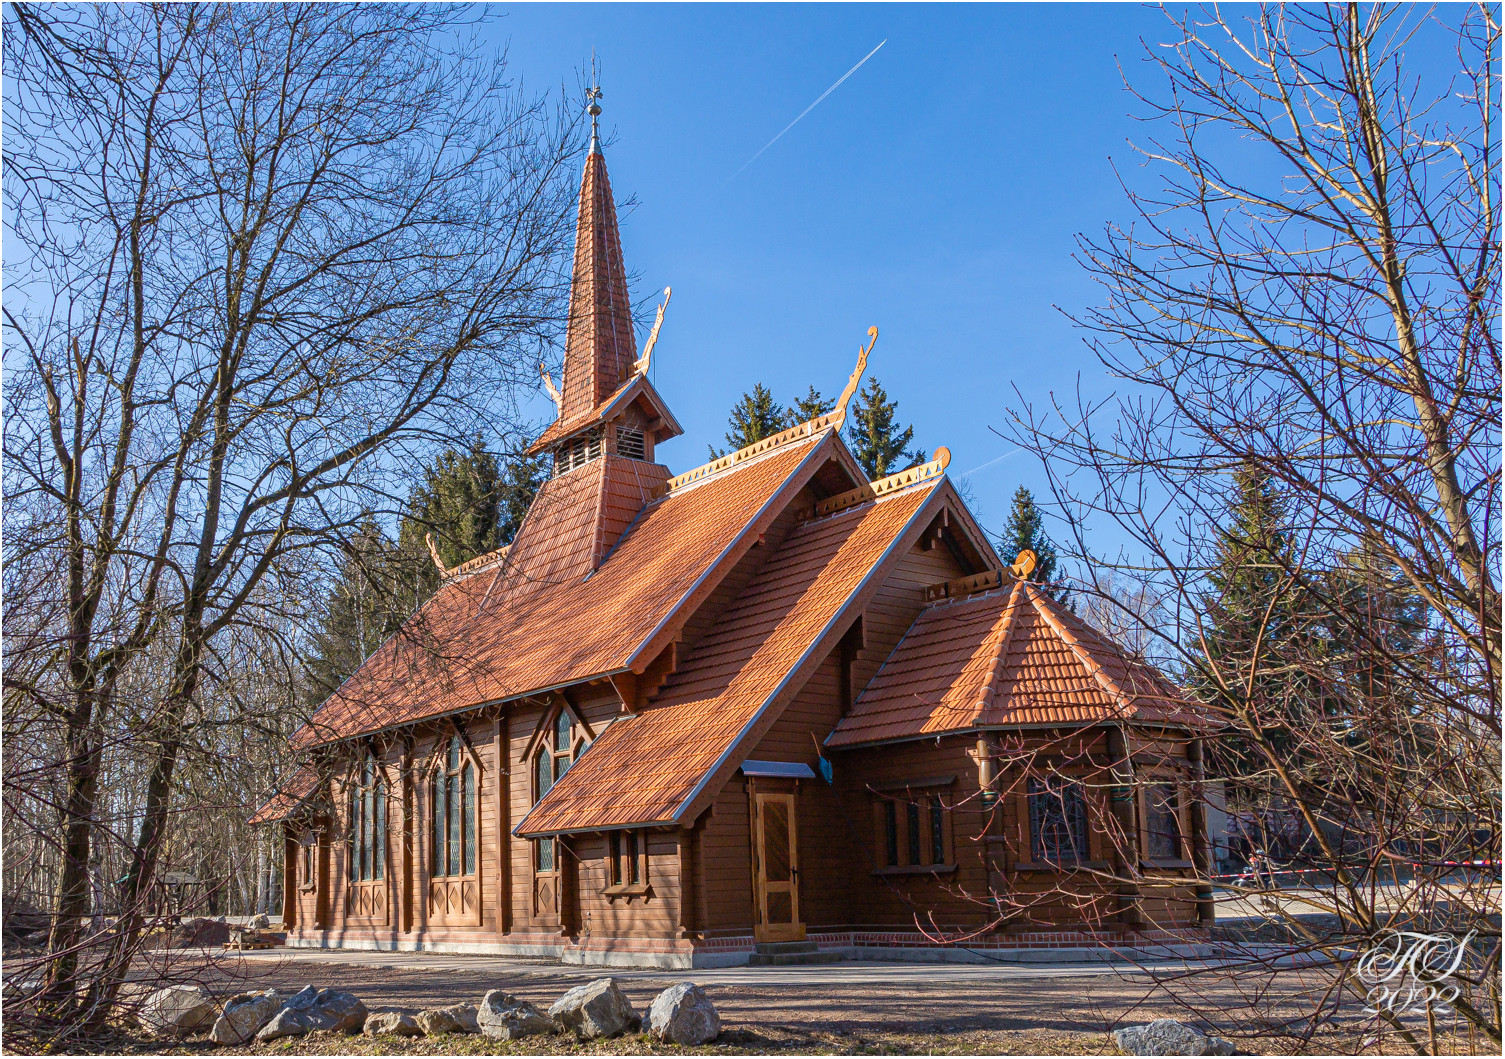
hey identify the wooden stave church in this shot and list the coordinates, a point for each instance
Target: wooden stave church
(782, 673)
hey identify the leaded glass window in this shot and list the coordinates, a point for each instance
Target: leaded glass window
(1162, 820)
(1057, 821)
(454, 795)
(368, 824)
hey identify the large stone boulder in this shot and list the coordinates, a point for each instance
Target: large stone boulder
(457, 1018)
(505, 1017)
(392, 1022)
(260, 921)
(178, 1009)
(310, 1009)
(243, 1015)
(1169, 1037)
(683, 1014)
(597, 1009)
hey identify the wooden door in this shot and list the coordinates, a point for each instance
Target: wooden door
(776, 872)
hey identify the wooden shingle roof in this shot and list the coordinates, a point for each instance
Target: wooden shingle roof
(659, 765)
(560, 608)
(1013, 656)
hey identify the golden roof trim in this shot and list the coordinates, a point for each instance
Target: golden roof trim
(835, 417)
(883, 486)
(484, 561)
(757, 448)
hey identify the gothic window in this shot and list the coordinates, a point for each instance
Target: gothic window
(891, 833)
(368, 824)
(559, 750)
(454, 811)
(937, 831)
(309, 858)
(1057, 821)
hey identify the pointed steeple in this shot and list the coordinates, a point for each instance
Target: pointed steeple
(600, 350)
(605, 389)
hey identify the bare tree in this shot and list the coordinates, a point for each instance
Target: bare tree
(1308, 296)
(261, 258)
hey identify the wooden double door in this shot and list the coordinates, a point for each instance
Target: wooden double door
(776, 873)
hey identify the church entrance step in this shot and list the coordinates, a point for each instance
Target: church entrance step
(789, 954)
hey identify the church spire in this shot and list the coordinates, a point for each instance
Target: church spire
(600, 349)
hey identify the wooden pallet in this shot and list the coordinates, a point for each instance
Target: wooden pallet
(259, 943)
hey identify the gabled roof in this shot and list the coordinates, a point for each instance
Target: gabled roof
(298, 788)
(1009, 657)
(636, 388)
(659, 765)
(559, 608)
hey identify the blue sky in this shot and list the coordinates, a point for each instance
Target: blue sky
(936, 194)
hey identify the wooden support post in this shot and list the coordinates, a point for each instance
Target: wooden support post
(1201, 854)
(687, 895)
(405, 878)
(289, 879)
(995, 843)
(1125, 852)
(503, 827)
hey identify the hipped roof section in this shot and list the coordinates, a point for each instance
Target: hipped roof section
(1009, 657)
(546, 616)
(662, 764)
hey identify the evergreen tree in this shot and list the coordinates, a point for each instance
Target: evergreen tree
(360, 611)
(1259, 625)
(469, 502)
(458, 502)
(522, 478)
(1026, 529)
(874, 436)
(1375, 625)
(811, 406)
(756, 416)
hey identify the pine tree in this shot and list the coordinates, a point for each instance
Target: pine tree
(360, 611)
(756, 416)
(874, 436)
(1258, 624)
(458, 502)
(1026, 529)
(811, 406)
(469, 502)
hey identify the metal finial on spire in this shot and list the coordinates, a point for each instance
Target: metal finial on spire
(593, 105)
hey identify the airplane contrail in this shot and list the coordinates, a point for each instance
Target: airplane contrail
(990, 463)
(808, 109)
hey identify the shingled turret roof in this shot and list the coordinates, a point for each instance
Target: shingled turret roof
(1008, 657)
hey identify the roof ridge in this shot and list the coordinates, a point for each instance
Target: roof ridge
(1095, 670)
(807, 429)
(476, 564)
(892, 483)
(1008, 622)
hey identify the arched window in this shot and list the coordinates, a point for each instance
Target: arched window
(368, 824)
(454, 802)
(554, 758)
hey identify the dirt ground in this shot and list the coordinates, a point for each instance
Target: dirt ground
(1023, 1016)
(1019, 1016)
